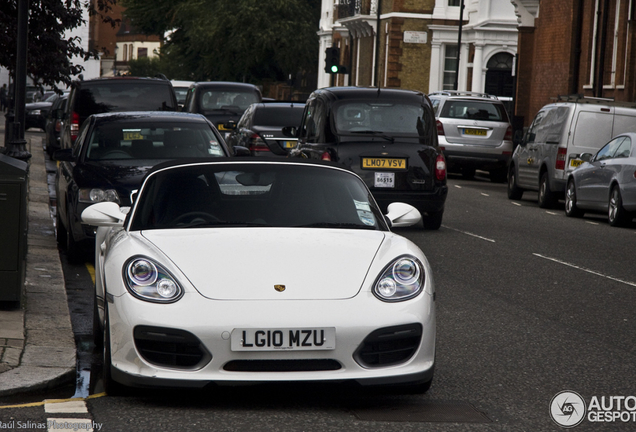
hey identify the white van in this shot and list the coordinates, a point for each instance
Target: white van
(559, 133)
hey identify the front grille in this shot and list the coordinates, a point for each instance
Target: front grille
(389, 346)
(309, 365)
(172, 348)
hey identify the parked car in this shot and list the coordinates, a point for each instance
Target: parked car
(116, 94)
(221, 101)
(177, 314)
(53, 124)
(605, 182)
(475, 132)
(260, 129)
(110, 157)
(387, 136)
(559, 133)
(181, 90)
(36, 112)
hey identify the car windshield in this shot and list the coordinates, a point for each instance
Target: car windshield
(474, 110)
(230, 100)
(248, 195)
(360, 117)
(152, 140)
(125, 96)
(278, 116)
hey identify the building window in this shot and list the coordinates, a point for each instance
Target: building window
(454, 2)
(142, 52)
(130, 51)
(450, 67)
(125, 57)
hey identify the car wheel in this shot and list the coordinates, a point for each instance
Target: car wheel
(498, 175)
(616, 214)
(111, 387)
(60, 231)
(571, 209)
(468, 173)
(547, 198)
(432, 220)
(514, 191)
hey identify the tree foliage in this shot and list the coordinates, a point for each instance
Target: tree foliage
(234, 40)
(49, 51)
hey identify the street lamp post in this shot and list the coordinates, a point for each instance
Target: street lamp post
(16, 145)
(459, 42)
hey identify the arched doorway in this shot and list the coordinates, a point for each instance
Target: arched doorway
(499, 80)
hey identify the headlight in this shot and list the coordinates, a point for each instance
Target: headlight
(149, 281)
(35, 112)
(401, 280)
(95, 195)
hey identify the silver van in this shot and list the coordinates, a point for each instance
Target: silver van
(558, 135)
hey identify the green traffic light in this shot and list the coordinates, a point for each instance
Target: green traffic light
(334, 68)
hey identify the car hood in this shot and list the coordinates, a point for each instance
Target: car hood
(248, 263)
(124, 176)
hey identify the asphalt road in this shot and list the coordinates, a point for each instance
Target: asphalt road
(529, 303)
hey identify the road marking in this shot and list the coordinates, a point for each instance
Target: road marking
(552, 213)
(458, 186)
(470, 234)
(585, 270)
(35, 404)
(75, 406)
(485, 194)
(592, 223)
(517, 204)
(91, 271)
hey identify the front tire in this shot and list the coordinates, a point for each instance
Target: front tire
(616, 215)
(571, 209)
(547, 198)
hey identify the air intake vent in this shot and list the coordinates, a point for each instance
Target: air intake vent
(389, 346)
(171, 348)
(309, 365)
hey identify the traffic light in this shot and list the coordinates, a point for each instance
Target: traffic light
(332, 60)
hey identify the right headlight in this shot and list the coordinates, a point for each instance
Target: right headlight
(401, 280)
(149, 281)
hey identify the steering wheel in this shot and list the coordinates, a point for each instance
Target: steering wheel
(192, 216)
(115, 154)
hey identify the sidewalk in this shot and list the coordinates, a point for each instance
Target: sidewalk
(37, 346)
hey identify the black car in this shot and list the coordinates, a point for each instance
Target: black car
(116, 94)
(260, 129)
(53, 124)
(110, 157)
(221, 101)
(36, 112)
(387, 136)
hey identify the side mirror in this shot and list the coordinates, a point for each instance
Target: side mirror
(241, 151)
(402, 215)
(586, 157)
(64, 155)
(290, 131)
(107, 214)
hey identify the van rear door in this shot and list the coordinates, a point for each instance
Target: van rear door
(624, 120)
(593, 129)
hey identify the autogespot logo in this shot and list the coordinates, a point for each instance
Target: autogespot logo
(567, 409)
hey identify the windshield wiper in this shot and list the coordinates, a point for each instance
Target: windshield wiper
(335, 225)
(208, 224)
(375, 133)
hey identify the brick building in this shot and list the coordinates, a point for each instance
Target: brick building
(574, 47)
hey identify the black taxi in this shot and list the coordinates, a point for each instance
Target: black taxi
(387, 136)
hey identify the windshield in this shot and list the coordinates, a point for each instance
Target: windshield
(474, 110)
(386, 117)
(231, 100)
(244, 195)
(279, 116)
(152, 140)
(125, 96)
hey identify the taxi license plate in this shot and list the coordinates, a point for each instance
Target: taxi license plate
(575, 162)
(284, 339)
(289, 144)
(476, 132)
(384, 180)
(129, 136)
(384, 163)
(222, 127)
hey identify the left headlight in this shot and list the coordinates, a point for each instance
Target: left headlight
(149, 281)
(95, 195)
(401, 280)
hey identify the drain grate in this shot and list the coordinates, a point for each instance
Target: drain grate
(425, 411)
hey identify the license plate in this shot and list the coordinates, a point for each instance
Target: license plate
(384, 163)
(384, 180)
(129, 136)
(284, 339)
(290, 144)
(222, 127)
(477, 132)
(575, 162)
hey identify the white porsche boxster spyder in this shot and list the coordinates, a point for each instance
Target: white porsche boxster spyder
(233, 270)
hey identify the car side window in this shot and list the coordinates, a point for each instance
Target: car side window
(532, 131)
(81, 136)
(609, 150)
(314, 122)
(246, 119)
(624, 149)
